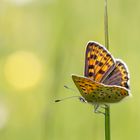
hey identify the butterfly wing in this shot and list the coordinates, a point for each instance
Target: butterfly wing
(98, 62)
(95, 92)
(106, 80)
(119, 76)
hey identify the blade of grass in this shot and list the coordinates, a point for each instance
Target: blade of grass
(107, 108)
(107, 123)
(106, 26)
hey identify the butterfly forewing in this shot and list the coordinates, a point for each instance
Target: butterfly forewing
(95, 92)
(98, 62)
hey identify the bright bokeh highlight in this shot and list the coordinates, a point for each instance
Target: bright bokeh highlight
(19, 2)
(23, 70)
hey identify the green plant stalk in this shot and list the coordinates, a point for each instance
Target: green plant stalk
(106, 26)
(107, 123)
(107, 108)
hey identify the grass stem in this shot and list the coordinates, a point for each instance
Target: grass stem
(107, 123)
(107, 108)
(106, 26)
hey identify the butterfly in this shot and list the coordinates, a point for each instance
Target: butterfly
(105, 80)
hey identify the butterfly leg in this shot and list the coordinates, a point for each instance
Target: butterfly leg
(96, 109)
(104, 106)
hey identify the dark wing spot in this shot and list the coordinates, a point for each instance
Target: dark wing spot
(108, 64)
(100, 63)
(90, 66)
(111, 90)
(83, 88)
(98, 89)
(108, 55)
(101, 71)
(94, 56)
(126, 85)
(101, 54)
(92, 89)
(126, 78)
(119, 64)
(81, 85)
(97, 62)
(101, 94)
(90, 86)
(125, 72)
(91, 74)
(91, 43)
(91, 55)
(107, 88)
(125, 93)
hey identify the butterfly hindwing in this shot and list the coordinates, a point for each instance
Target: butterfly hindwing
(119, 76)
(98, 62)
(95, 92)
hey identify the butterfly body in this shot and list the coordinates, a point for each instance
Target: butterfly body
(106, 79)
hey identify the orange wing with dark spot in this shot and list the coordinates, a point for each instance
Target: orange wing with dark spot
(98, 62)
(95, 92)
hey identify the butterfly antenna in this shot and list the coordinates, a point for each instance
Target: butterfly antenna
(58, 100)
(65, 86)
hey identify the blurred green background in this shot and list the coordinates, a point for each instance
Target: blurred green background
(42, 42)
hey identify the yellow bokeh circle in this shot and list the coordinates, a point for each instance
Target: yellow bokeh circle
(23, 70)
